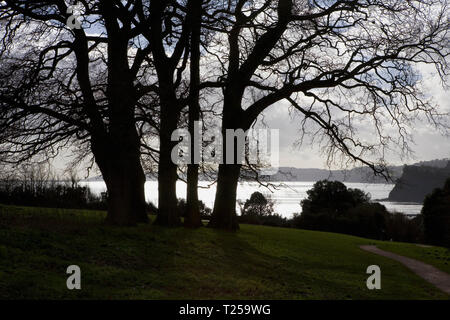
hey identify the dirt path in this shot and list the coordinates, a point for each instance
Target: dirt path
(436, 277)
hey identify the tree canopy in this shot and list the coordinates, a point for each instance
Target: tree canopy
(333, 198)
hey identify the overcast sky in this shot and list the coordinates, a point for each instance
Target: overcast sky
(429, 144)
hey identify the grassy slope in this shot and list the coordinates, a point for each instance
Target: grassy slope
(149, 262)
(436, 256)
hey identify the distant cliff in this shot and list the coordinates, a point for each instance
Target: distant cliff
(418, 181)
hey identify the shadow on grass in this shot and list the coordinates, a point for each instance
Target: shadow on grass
(152, 262)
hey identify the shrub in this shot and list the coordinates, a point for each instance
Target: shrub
(205, 212)
(368, 220)
(401, 228)
(50, 194)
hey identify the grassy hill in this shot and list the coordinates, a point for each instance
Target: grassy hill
(150, 262)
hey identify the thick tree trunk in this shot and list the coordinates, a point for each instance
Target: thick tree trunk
(224, 213)
(192, 217)
(168, 213)
(117, 150)
(124, 177)
(126, 197)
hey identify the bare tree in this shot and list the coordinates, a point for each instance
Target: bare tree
(348, 66)
(193, 218)
(174, 30)
(143, 47)
(63, 86)
(166, 27)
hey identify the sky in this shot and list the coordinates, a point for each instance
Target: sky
(429, 144)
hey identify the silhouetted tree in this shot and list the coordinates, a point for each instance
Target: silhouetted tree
(339, 64)
(330, 206)
(167, 27)
(77, 87)
(259, 210)
(332, 198)
(436, 216)
(94, 88)
(258, 205)
(193, 215)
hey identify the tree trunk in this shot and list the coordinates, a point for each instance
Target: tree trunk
(117, 151)
(193, 218)
(168, 213)
(224, 213)
(126, 197)
(124, 177)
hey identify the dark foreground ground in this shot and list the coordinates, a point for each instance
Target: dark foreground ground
(150, 262)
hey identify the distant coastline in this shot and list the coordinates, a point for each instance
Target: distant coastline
(292, 174)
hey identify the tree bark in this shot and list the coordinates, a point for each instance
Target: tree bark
(124, 177)
(168, 213)
(126, 197)
(224, 213)
(192, 217)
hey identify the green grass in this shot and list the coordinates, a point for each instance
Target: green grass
(150, 262)
(436, 256)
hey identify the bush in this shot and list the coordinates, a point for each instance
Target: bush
(34, 184)
(328, 207)
(368, 220)
(50, 194)
(436, 216)
(401, 228)
(205, 212)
